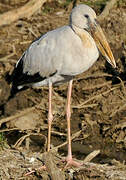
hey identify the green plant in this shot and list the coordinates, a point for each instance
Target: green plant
(3, 141)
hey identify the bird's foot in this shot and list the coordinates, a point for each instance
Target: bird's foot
(71, 162)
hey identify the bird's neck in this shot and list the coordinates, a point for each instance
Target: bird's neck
(84, 36)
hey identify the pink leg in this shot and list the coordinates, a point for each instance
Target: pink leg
(50, 116)
(69, 159)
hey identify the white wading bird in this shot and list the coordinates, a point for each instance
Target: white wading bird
(59, 55)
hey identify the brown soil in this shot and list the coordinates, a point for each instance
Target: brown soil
(98, 100)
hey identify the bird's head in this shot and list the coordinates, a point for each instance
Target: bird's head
(84, 17)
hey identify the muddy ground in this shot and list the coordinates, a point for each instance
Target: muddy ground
(98, 101)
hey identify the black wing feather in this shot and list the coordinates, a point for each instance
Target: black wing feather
(20, 78)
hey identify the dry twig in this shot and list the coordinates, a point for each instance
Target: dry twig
(85, 106)
(107, 8)
(5, 58)
(19, 114)
(91, 156)
(75, 135)
(26, 11)
(97, 75)
(5, 130)
(32, 32)
(118, 110)
(95, 97)
(123, 86)
(96, 86)
(122, 106)
(19, 141)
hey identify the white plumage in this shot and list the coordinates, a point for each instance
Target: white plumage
(59, 55)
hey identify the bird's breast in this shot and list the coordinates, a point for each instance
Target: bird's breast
(89, 49)
(81, 53)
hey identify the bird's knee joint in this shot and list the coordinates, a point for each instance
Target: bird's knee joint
(68, 114)
(50, 117)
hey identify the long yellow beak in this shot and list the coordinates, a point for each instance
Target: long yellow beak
(103, 45)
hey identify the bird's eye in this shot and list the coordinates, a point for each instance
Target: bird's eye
(86, 15)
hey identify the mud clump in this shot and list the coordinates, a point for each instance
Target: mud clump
(4, 91)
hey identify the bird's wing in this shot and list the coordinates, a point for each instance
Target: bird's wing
(39, 57)
(38, 61)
